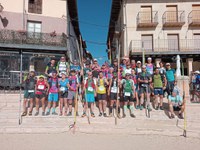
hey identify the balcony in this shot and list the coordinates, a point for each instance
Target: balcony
(25, 39)
(194, 18)
(173, 19)
(161, 46)
(147, 19)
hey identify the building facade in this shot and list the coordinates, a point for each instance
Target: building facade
(39, 29)
(162, 29)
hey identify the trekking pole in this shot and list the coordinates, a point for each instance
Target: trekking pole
(118, 76)
(184, 101)
(88, 116)
(20, 95)
(73, 126)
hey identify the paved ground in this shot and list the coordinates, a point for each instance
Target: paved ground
(158, 130)
(95, 142)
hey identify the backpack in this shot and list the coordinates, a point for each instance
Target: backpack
(92, 84)
(113, 83)
(129, 84)
(104, 82)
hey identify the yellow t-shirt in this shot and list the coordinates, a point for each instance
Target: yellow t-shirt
(101, 87)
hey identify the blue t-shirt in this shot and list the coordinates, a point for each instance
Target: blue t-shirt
(75, 67)
(63, 84)
(198, 79)
(53, 85)
(170, 75)
(176, 100)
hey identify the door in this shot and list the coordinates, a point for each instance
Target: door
(147, 42)
(173, 42)
(196, 41)
(195, 13)
(172, 14)
(146, 14)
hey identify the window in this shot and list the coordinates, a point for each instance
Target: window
(173, 42)
(147, 42)
(172, 14)
(146, 14)
(35, 6)
(196, 41)
(34, 29)
(196, 13)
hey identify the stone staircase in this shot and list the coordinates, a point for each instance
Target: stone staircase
(159, 123)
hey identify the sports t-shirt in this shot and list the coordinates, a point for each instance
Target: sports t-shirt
(63, 85)
(170, 75)
(157, 81)
(144, 76)
(90, 86)
(53, 85)
(127, 86)
(176, 100)
(101, 87)
(149, 68)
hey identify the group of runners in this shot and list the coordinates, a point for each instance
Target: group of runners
(122, 87)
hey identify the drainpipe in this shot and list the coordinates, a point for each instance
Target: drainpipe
(24, 24)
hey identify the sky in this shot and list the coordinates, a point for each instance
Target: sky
(94, 16)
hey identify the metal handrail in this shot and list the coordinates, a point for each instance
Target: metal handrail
(24, 37)
(194, 18)
(147, 17)
(165, 45)
(173, 16)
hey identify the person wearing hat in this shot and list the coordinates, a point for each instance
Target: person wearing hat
(171, 78)
(112, 93)
(90, 93)
(62, 66)
(128, 90)
(41, 89)
(63, 92)
(72, 89)
(53, 94)
(75, 66)
(176, 103)
(133, 64)
(144, 80)
(86, 69)
(29, 93)
(138, 68)
(104, 70)
(128, 70)
(149, 65)
(95, 69)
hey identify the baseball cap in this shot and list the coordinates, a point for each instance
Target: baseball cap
(149, 58)
(138, 62)
(143, 66)
(41, 76)
(64, 73)
(197, 72)
(167, 64)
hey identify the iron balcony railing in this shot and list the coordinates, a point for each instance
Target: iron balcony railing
(24, 37)
(165, 46)
(173, 17)
(194, 17)
(147, 17)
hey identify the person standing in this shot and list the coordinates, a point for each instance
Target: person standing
(41, 89)
(51, 68)
(128, 88)
(53, 94)
(29, 93)
(149, 66)
(90, 92)
(101, 94)
(158, 88)
(144, 80)
(112, 92)
(63, 91)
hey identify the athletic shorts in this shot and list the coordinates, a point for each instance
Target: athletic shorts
(113, 96)
(40, 96)
(101, 97)
(128, 98)
(28, 95)
(177, 108)
(53, 97)
(143, 90)
(63, 95)
(158, 91)
(90, 98)
(71, 95)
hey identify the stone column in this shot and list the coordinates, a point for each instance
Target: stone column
(157, 60)
(189, 65)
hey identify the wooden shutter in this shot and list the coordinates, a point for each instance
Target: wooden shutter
(146, 14)
(173, 42)
(195, 13)
(147, 42)
(172, 14)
